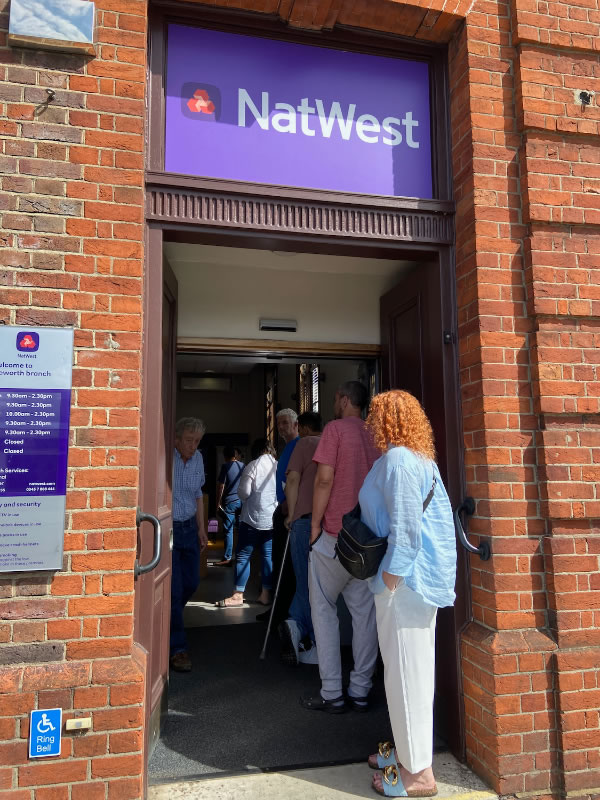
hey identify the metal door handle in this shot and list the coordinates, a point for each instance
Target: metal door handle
(484, 551)
(141, 569)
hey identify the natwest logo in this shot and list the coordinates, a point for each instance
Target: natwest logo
(200, 103)
(28, 341)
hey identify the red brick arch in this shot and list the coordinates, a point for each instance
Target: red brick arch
(430, 20)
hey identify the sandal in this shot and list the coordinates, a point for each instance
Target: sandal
(225, 604)
(384, 756)
(393, 786)
(318, 703)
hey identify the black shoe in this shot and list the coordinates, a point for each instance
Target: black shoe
(360, 704)
(180, 662)
(337, 706)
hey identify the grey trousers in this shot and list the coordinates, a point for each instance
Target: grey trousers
(327, 579)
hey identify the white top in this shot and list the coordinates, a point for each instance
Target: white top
(257, 490)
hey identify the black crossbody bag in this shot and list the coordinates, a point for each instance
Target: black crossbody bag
(359, 551)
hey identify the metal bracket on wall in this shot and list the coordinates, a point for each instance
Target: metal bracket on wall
(484, 551)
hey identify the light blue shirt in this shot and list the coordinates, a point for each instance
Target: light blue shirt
(188, 480)
(421, 547)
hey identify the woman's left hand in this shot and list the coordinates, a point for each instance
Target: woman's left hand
(391, 581)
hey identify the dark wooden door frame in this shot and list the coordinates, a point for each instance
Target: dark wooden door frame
(218, 212)
(444, 257)
(151, 619)
(423, 361)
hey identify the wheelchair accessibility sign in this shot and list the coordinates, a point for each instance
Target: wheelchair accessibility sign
(45, 730)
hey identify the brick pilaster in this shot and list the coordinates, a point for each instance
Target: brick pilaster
(71, 201)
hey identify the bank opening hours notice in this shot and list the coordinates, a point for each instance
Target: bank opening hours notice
(34, 440)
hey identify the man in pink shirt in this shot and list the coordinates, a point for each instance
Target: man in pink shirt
(344, 456)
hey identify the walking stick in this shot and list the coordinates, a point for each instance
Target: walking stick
(263, 652)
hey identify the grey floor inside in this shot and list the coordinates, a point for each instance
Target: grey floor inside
(235, 712)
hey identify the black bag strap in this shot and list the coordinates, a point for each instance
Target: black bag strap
(430, 495)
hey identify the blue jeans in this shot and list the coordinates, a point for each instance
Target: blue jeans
(184, 577)
(300, 607)
(248, 539)
(228, 520)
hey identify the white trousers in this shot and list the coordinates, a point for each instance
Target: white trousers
(406, 630)
(327, 579)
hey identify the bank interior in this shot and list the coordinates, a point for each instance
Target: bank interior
(234, 711)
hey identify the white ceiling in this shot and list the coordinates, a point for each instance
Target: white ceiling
(208, 255)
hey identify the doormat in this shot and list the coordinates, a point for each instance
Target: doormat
(235, 713)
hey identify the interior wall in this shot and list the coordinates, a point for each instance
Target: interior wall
(237, 411)
(287, 386)
(334, 374)
(332, 299)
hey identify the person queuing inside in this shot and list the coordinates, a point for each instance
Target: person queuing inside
(287, 429)
(189, 535)
(257, 490)
(415, 578)
(344, 456)
(228, 501)
(296, 632)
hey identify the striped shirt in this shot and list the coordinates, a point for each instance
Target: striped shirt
(188, 479)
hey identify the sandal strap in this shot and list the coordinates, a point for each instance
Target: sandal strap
(386, 755)
(392, 782)
(385, 748)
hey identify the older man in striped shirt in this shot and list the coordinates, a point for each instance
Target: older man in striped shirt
(189, 536)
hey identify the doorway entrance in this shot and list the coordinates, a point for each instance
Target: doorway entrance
(392, 320)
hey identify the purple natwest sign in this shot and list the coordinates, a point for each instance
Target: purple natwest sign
(250, 109)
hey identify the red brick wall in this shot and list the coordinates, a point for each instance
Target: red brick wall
(528, 296)
(71, 254)
(526, 171)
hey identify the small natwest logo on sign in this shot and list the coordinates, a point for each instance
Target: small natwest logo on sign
(28, 341)
(201, 102)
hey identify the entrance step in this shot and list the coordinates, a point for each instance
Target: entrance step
(454, 780)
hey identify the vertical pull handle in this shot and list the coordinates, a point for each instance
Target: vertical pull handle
(484, 551)
(141, 569)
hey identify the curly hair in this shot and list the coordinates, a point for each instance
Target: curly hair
(397, 418)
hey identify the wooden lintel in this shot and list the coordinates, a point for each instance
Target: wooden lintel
(277, 347)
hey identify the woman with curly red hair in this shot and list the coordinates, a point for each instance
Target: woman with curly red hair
(403, 498)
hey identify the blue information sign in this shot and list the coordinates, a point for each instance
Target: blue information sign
(35, 400)
(45, 729)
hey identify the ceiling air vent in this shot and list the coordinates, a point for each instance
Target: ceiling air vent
(282, 325)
